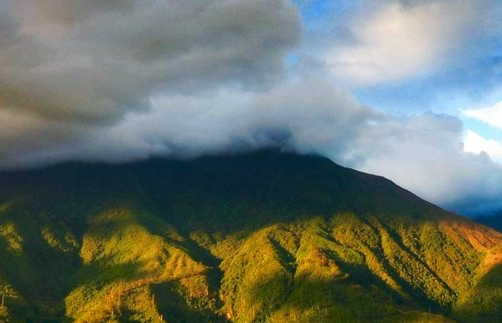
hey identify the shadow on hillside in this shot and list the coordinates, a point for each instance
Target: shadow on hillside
(484, 304)
(324, 300)
(176, 307)
(36, 271)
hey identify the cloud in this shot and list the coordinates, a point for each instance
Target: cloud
(476, 144)
(29, 140)
(125, 80)
(92, 61)
(305, 116)
(387, 42)
(70, 69)
(423, 153)
(490, 115)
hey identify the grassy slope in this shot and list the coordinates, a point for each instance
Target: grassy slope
(261, 237)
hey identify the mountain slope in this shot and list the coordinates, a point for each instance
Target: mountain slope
(257, 237)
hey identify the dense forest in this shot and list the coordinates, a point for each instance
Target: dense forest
(255, 237)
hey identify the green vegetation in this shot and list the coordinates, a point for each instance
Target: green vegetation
(261, 237)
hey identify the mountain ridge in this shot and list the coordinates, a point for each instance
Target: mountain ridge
(251, 237)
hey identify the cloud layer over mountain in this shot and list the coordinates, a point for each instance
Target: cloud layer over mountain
(121, 80)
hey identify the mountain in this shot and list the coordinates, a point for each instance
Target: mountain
(253, 237)
(492, 220)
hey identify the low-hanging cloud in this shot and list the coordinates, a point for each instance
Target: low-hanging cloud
(423, 153)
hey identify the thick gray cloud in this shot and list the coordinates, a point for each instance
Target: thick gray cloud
(305, 116)
(91, 61)
(70, 68)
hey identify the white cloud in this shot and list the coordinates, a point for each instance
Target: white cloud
(425, 155)
(306, 116)
(402, 39)
(475, 143)
(490, 115)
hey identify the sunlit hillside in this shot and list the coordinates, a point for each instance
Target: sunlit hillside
(258, 237)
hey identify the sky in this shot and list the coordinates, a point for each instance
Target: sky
(407, 89)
